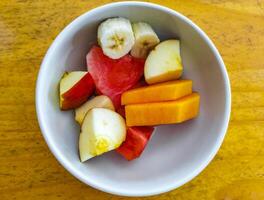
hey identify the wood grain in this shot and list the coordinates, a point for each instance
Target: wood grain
(27, 168)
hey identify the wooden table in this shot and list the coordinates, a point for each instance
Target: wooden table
(27, 168)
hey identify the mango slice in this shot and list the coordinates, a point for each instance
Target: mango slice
(167, 91)
(169, 112)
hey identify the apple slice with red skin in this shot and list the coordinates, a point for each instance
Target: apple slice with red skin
(112, 77)
(137, 138)
(75, 88)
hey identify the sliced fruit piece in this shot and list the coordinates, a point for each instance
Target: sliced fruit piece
(166, 91)
(75, 88)
(164, 62)
(116, 37)
(169, 112)
(101, 101)
(136, 141)
(113, 77)
(102, 130)
(145, 39)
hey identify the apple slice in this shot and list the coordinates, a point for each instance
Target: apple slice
(75, 88)
(101, 101)
(102, 130)
(164, 62)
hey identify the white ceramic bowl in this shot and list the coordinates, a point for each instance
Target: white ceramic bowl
(176, 153)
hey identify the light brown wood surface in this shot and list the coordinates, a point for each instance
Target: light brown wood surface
(28, 170)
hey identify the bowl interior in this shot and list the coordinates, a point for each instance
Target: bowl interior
(175, 153)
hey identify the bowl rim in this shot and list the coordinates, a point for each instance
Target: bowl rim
(93, 183)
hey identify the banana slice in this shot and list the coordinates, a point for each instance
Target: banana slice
(145, 39)
(116, 37)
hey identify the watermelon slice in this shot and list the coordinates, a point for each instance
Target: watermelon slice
(112, 77)
(136, 140)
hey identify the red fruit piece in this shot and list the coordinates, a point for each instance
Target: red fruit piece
(79, 93)
(112, 77)
(136, 140)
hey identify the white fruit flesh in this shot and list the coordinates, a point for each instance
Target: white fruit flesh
(164, 62)
(102, 130)
(115, 36)
(101, 101)
(69, 79)
(145, 39)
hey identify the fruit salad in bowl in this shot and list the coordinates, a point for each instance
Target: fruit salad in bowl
(133, 99)
(131, 85)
